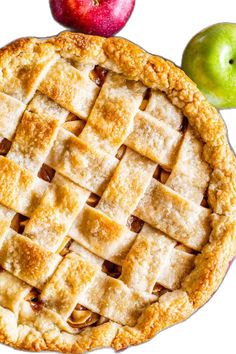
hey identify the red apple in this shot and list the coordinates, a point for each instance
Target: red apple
(98, 17)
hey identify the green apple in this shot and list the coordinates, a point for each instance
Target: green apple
(210, 60)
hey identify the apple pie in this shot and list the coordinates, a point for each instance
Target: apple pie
(117, 194)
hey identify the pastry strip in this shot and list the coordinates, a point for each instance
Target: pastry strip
(190, 175)
(24, 72)
(161, 108)
(177, 267)
(77, 281)
(112, 116)
(27, 260)
(87, 255)
(101, 235)
(154, 259)
(13, 291)
(154, 139)
(20, 191)
(178, 217)
(145, 260)
(55, 213)
(127, 186)
(33, 141)
(42, 104)
(80, 162)
(70, 88)
(10, 113)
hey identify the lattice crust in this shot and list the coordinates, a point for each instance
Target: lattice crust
(152, 259)
(101, 235)
(33, 140)
(190, 175)
(10, 114)
(6, 216)
(127, 186)
(76, 159)
(112, 116)
(90, 115)
(160, 107)
(51, 220)
(24, 72)
(76, 281)
(19, 190)
(26, 260)
(13, 291)
(154, 139)
(41, 104)
(178, 217)
(71, 88)
(87, 255)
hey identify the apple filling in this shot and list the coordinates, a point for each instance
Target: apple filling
(164, 175)
(82, 317)
(64, 248)
(18, 223)
(161, 175)
(121, 151)
(135, 224)
(98, 75)
(46, 173)
(184, 125)
(5, 146)
(111, 269)
(145, 100)
(204, 202)
(74, 126)
(159, 290)
(33, 299)
(93, 200)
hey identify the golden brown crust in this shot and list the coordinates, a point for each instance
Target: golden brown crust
(154, 72)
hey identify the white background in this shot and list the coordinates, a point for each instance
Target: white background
(164, 28)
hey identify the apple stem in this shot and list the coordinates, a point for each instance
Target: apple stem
(96, 2)
(231, 61)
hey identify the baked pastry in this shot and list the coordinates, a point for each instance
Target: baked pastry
(117, 194)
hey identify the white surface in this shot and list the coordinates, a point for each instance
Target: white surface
(164, 28)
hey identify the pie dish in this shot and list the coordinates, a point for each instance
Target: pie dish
(117, 194)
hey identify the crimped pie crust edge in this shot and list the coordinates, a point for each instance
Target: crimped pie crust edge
(211, 265)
